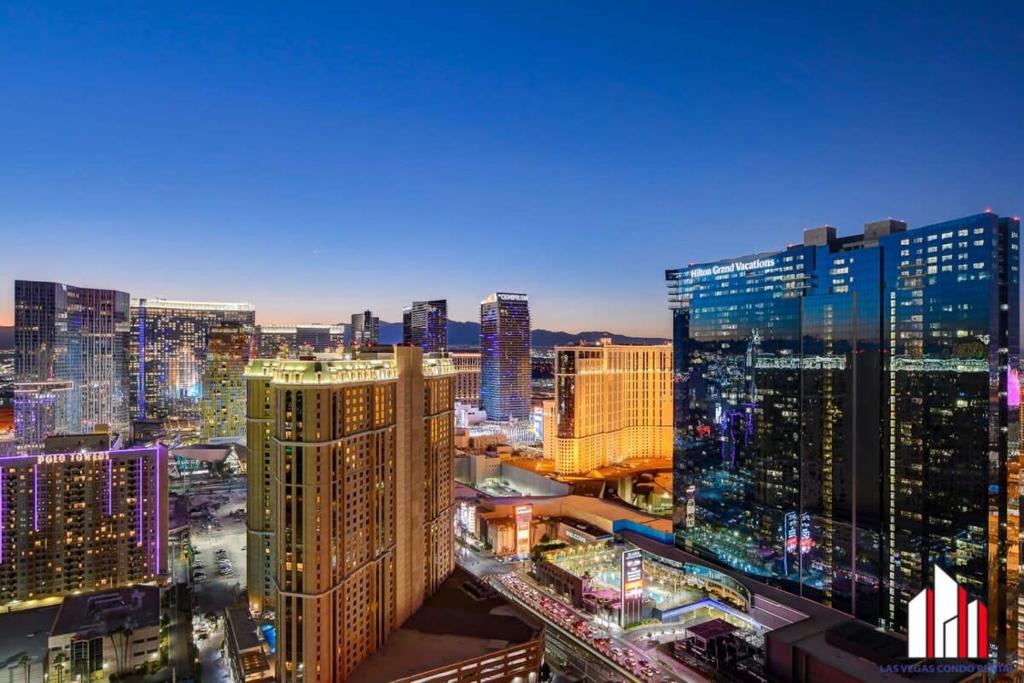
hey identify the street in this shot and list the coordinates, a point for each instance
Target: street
(604, 640)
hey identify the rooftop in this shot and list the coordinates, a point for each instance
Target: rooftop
(169, 304)
(243, 628)
(348, 368)
(96, 614)
(451, 626)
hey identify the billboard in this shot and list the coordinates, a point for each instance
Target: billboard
(524, 515)
(632, 586)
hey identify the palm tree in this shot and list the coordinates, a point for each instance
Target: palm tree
(58, 664)
(26, 664)
(117, 656)
(127, 634)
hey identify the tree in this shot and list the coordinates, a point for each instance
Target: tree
(58, 664)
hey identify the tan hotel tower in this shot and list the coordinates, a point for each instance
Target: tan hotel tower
(612, 402)
(350, 500)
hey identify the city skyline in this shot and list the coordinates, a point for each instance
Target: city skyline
(601, 146)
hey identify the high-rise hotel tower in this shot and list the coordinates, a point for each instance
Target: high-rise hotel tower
(169, 341)
(350, 500)
(505, 356)
(612, 402)
(70, 360)
(425, 324)
(846, 415)
(81, 521)
(223, 402)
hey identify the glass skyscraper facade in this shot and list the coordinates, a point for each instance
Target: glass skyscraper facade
(846, 415)
(425, 324)
(223, 402)
(505, 356)
(71, 364)
(169, 341)
(365, 329)
(291, 341)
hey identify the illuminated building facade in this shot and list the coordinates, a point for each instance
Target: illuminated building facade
(505, 356)
(82, 521)
(70, 363)
(612, 402)
(290, 341)
(847, 415)
(169, 340)
(350, 502)
(425, 324)
(227, 354)
(467, 377)
(365, 329)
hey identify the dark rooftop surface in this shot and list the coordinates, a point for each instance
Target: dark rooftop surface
(712, 629)
(581, 525)
(451, 626)
(242, 627)
(24, 632)
(105, 611)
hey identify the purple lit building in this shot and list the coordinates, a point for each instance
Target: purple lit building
(81, 521)
(505, 391)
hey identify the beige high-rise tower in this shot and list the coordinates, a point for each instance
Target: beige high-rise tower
(350, 500)
(612, 402)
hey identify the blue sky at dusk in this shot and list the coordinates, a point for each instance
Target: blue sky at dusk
(318, 160)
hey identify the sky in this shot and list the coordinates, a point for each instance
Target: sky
(317, 160)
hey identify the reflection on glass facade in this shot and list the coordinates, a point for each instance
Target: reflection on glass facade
(425, 324)
(169, 340)
(223, 402)
(76, 337)
(292, 341)
(846, 415)
(365, 329)
(505, 356)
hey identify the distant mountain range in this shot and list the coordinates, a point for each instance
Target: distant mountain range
(459, 334)
(468, 334)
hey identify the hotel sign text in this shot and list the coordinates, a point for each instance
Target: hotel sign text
(733, 267)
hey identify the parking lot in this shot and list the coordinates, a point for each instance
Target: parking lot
(217, 528)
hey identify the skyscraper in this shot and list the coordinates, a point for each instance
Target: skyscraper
(505, 356)
(169, 340)
(467, 378)
(612, 402)
(350, 500)
(289, 341)
(228, 352)
(425, 324)
(847, 415)
(365, 329)
(82, 521)
(70, 358)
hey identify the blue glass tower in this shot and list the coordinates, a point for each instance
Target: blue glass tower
(846, 415)
(505, 356)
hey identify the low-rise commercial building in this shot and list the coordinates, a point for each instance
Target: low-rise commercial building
(105, 634)
(246, 653)
(464, 633)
